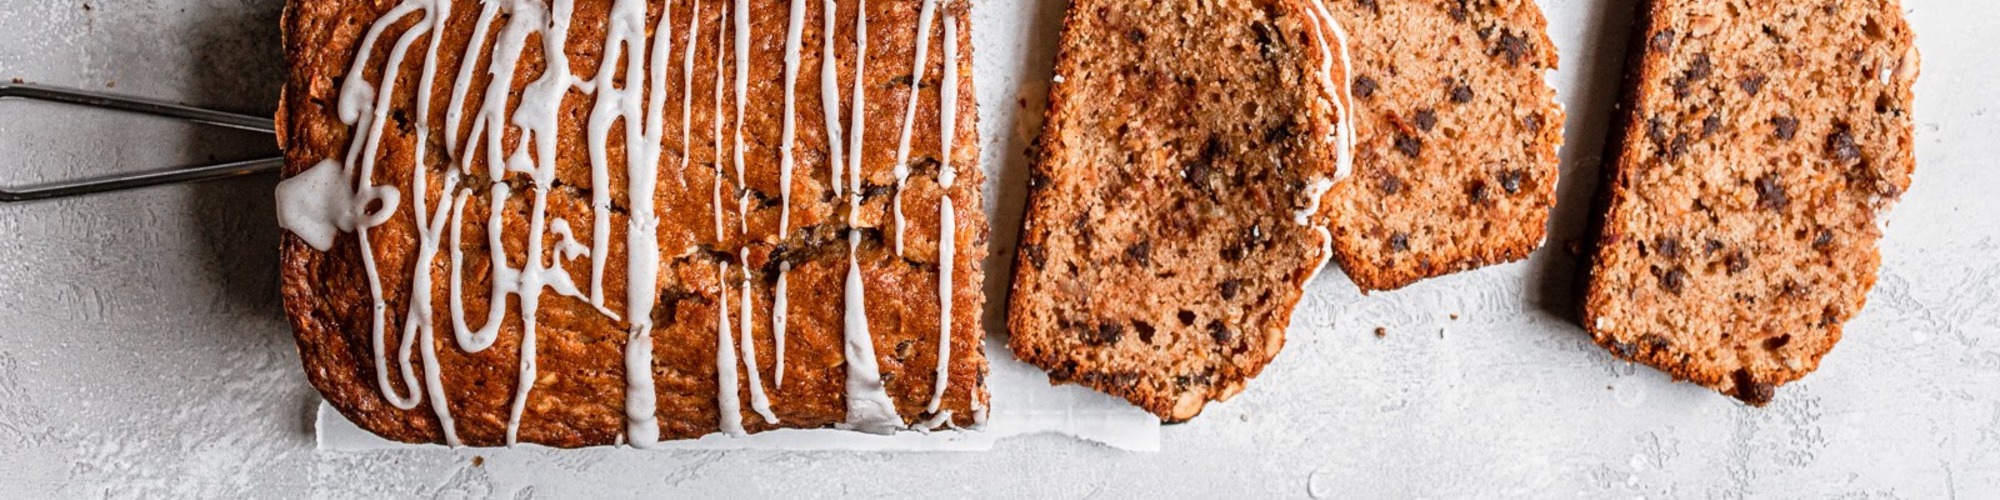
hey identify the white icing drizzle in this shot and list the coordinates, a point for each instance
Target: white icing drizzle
(728, 407)
(687, 91)
(430, 226)
(317, 204)
(794, 32)
(1315, 193)
(1324, 23)
(759, 401)
(1343, 99)
(902, 165)
(947, 232)
(378, 113)
(947, 218)
(625, 31)
(869, 408)
(829, 96)
(729, 404)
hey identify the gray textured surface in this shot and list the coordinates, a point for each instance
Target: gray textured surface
(142, 351)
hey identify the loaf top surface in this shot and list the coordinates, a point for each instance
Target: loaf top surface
(676, 207)
(1762, 143)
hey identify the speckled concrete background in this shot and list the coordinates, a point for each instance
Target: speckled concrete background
(143, 354)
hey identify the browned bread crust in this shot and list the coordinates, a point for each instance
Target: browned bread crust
(579, 396)
(1161, 259)
(1760, 145)
(1455, 163)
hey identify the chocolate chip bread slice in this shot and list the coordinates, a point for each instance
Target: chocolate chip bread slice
(1172, 219)
(1455, 161)
(1761, 144)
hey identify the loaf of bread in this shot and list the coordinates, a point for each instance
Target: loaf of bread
(1455, 159)
(1759, 146)
(623, 221)
(1173, 219)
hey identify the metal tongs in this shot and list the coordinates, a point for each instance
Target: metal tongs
(119, 182)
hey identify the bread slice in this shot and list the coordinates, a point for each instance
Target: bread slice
(685, 281)
(1455, 161)
(1761, 143)
(1171, 221)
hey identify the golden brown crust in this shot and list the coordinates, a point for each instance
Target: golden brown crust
(1739, 221)
(579, 395)
(1455, 162)
(1160, 259)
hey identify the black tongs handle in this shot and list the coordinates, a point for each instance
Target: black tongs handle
(119, 182)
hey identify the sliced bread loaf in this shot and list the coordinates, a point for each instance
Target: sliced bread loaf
(1455, 159)
(1172, 220)
(1761, 142)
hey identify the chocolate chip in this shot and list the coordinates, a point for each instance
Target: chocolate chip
(1668, 247)
(1710, 125)
(1771, 194)
(1265, 43)
(1063, 372)
(1186, 317)
(1672, 280)
(1787, 127)
(1426, 119)
(1399, 242)
(1752, 391)
(1105, 333)
(1656, 129)
(1510, 180)
(1196, 175)
(1036, 256)
(1145, 331)
(1219, 332)
(1778, 342)
(1461, 93)
(1233, 253)
(1662, 41)
(1533, 122)
(1623, 349)
(1700, 68)
(1141, 252)
(1476, 192)
(1841, 144)
(1513, 46)
(1751, 84)
(1230, 288)
(1364, 87)
(1823, 240)
(1036, 181)
(1736, 263)
(1391, 184)
(1678, 147)
(1280, 133)
(1409, 146)
(1656, 342)
(1135, 36)
(1713, 245)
